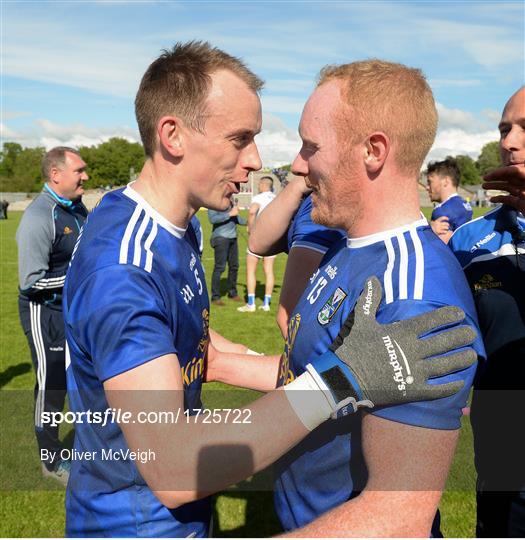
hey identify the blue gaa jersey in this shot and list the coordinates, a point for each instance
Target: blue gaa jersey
(135, 291)
(195, 232)
(495, 268)
(303, 232)
(457, 209)
(494, 264)
(418, 273)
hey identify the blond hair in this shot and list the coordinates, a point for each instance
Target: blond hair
(178, 83)
(388, 97)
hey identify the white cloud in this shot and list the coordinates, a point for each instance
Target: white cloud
(489, 45)
(47, 51)
(9, 115)
(63, 132)
(278, 144)
(493, 51)
(8, 133)
(49, 134)
(454, 141)
(492, 116)
(450, 118)
(454, 117)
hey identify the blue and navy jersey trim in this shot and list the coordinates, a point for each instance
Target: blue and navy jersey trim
(404, 276)
(135, 247)
(478, 240)
(141, 231)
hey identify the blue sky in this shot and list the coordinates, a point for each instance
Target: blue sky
(70, 70)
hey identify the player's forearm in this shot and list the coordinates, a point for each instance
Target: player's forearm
(377, 514)
(268, 235)
(244, 370)
(250, 224)
(225, 345)
(301, 264)
(282, 319)
(195, 459)
(407, 470)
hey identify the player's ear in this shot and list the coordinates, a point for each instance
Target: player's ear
(169, 130)
(54, 173)
(377, 147)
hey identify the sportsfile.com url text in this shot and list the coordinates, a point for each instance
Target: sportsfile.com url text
(112, 415)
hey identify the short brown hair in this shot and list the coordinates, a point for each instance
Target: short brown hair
(447, 167)
(178, 83)
(387, 97)
(56, 157)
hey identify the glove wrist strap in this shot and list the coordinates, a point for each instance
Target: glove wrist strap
(308, 401)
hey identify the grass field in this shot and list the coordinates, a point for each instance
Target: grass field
(33, 507)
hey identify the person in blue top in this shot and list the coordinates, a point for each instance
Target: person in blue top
(491, 250)
(452, 210)
(357, 165)
(223, 240)
(146, 456)
(286, 226)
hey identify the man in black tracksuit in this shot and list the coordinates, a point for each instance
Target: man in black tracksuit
(46, 238)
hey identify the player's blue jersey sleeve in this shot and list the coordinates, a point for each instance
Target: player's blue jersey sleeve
(456, 209)
(118, 318)
(303, 232)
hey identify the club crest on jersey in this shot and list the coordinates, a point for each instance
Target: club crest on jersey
(67, 230)
(487, 282)
(332, 305)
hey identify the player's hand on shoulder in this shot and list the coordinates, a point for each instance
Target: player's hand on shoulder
(510, 179)
(371, 364)
(300, 184)
(440, 225)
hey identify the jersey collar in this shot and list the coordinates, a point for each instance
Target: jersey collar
(363, 241)
(160, 219)
(58, 198)
(446, 200)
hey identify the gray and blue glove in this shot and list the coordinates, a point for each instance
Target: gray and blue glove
(371, 364)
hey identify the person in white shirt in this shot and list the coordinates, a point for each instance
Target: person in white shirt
(259, 203)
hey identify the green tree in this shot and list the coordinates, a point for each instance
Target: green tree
(20, 168)
(468, 170)
(27, 169)
(489, 158)
(8, 157)
(111, 161)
